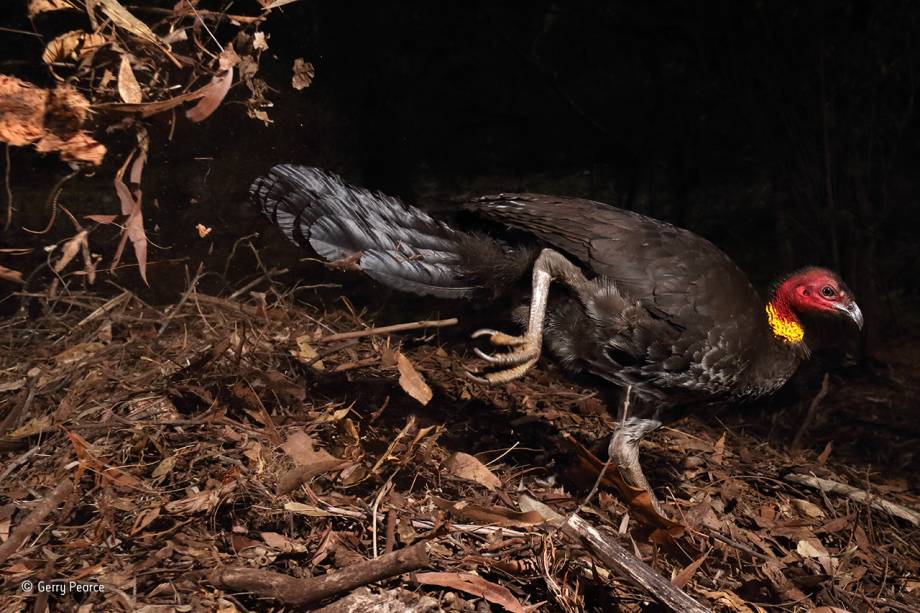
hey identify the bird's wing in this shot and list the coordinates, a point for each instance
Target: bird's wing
(689, 280)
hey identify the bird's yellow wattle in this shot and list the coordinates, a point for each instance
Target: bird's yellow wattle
(789, 330)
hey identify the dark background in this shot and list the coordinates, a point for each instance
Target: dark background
(783, 131)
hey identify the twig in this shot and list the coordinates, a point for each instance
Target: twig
(289, 590)
(617, 558)
(853, 493)
(191, 288)
(414, 325)
(267, 276)
(392, 518)
(31, 523)
(812, 412)
(9, 191)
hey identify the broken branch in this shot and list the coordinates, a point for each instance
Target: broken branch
(287, 589)
(618, 559)
(854, 493)
(31, 523)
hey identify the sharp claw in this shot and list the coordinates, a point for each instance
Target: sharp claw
(484, 332)
(513, 358)
(500, 338)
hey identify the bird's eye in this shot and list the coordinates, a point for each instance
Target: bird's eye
(827, 291)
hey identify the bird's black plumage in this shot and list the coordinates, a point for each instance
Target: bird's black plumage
(668, 312)
(653, 308)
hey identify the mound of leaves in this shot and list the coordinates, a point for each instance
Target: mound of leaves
(262, 454)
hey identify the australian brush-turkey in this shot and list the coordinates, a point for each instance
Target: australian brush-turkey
(647, 306)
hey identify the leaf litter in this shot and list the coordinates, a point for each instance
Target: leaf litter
(174, 468)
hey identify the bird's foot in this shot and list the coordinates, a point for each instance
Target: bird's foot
(524, 353)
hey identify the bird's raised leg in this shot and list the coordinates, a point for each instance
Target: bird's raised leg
(624, 449)
(524, 350)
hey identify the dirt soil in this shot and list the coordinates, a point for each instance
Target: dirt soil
(217, 454)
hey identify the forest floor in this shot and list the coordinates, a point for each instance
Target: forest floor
(230, 453)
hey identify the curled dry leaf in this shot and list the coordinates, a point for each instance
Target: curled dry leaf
(128, 88)
(303, 74)
(8, 274)
(493, 516)
(411, 381)
(214, 94)
(71, 248)
(43, 6)
(259, 42)
(306, 354)
(72, 46)
(475, 585)
(467, 467)
(51, 120)
(123, 19)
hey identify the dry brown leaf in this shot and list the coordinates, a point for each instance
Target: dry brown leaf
(128, 88)
(13, 385)
(33, 427)
(213, 95)
(43, 6)
(828, 610)
(718, 450)
(73, 46)
(8, 274)
(144, 518)
(282, 543)
(475, 585)
(303, 74)
(494, 516)
(130, 200)
(807, 508)
(123, 18)
(299, 447)
(306, 509)
(71, 248)
(467, 467)
(811, 548)
(411, 381)
(306, 354)
(683, 577)
(733, 602)
(24, 120)
(259, 42)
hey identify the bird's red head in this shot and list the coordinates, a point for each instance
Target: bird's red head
(810, 291)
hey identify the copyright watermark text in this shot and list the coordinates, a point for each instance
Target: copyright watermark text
(60, 587)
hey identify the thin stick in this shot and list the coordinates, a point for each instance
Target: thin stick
(414, 325)
(853, 493)
(618, 559)
(812, 412)
(31, 523)
(9, 191)
(183, 300)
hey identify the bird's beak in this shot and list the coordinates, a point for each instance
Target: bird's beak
(852, 311)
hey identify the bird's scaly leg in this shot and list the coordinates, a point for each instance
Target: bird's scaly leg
(624, 449)
(525, 349)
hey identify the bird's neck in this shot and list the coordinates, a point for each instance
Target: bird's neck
(783, 322)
